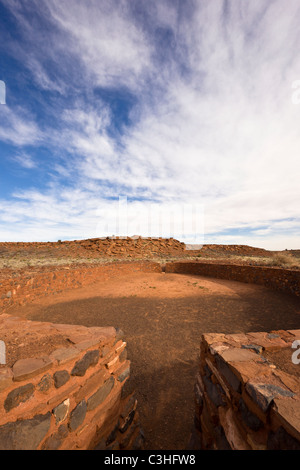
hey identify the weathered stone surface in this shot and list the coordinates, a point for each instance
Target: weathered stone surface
(89, 359)
(231, 431)
(92, 384)
(97, 398)
(54, 441)
(287, 411)
(281, 440)
(227, 373)
(6, 377)
(214, 392)
(251, 420)
(25, 434)
(18, 395)
(255, 347)
(45, 383)
(123, 355)
(123, 372)
(63, 355)
(263, 393)
(237, 355)
(61, 411)
(60, 378)
(77, 416)
(30, 367)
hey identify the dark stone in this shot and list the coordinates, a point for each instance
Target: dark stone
(123, 428)
(123, 355)
(98, 397)
(126, 439)
(221, 440)
(281, 440)
(18, 395)
(55, 441)
(127, 389)
(225, 370)
(25, 434)
(112, 437)
(252, 421)
(258, 349)
(214, 391)
(44, 384)
(78, 415)
(124, 374)
(60, 378)
(60, 412)
(263, 394)
(89, 359)
(207, 371)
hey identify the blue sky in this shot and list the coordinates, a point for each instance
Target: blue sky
(170, 104)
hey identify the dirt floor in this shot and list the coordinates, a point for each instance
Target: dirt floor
(162, 317)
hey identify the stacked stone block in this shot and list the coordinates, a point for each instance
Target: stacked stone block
(19, 288)
(73, 398)
(279, 279)
(242, 400)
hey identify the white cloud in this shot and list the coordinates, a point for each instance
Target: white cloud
(222, 131)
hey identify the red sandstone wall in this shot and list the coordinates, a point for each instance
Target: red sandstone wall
(73, 397)
(20, 288)
(286, 280)
(243, 401)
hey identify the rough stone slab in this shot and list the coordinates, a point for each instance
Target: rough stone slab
(255, 347)
(63, 355)
(218, 377)
(268, 342)
(228, 374)
(27, 368)
(98, 397)
(282, 440)
(61, 377)
(287, 410)
(264, 393)
(92, 384)
(238, 355)
(89, 359)
(45, 383)
(6, 378)
(123, 372)
(18, 395)
(61, 411)
(78, 415)
(295, 333)
(25, 434)
(216, 348)
(231, 431)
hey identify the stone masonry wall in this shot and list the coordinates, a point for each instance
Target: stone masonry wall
(285, 280)
(19, 288)
(244, 399)
(70, 394)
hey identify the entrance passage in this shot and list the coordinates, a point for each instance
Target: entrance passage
(162, 317)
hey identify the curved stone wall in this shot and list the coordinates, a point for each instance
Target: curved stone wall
(67, 390)
(284, 280)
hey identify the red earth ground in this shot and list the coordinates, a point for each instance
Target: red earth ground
(163, 316)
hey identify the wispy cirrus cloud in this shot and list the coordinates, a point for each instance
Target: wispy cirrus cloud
(164, 102)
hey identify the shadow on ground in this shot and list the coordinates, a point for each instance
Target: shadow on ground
(163, 344)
